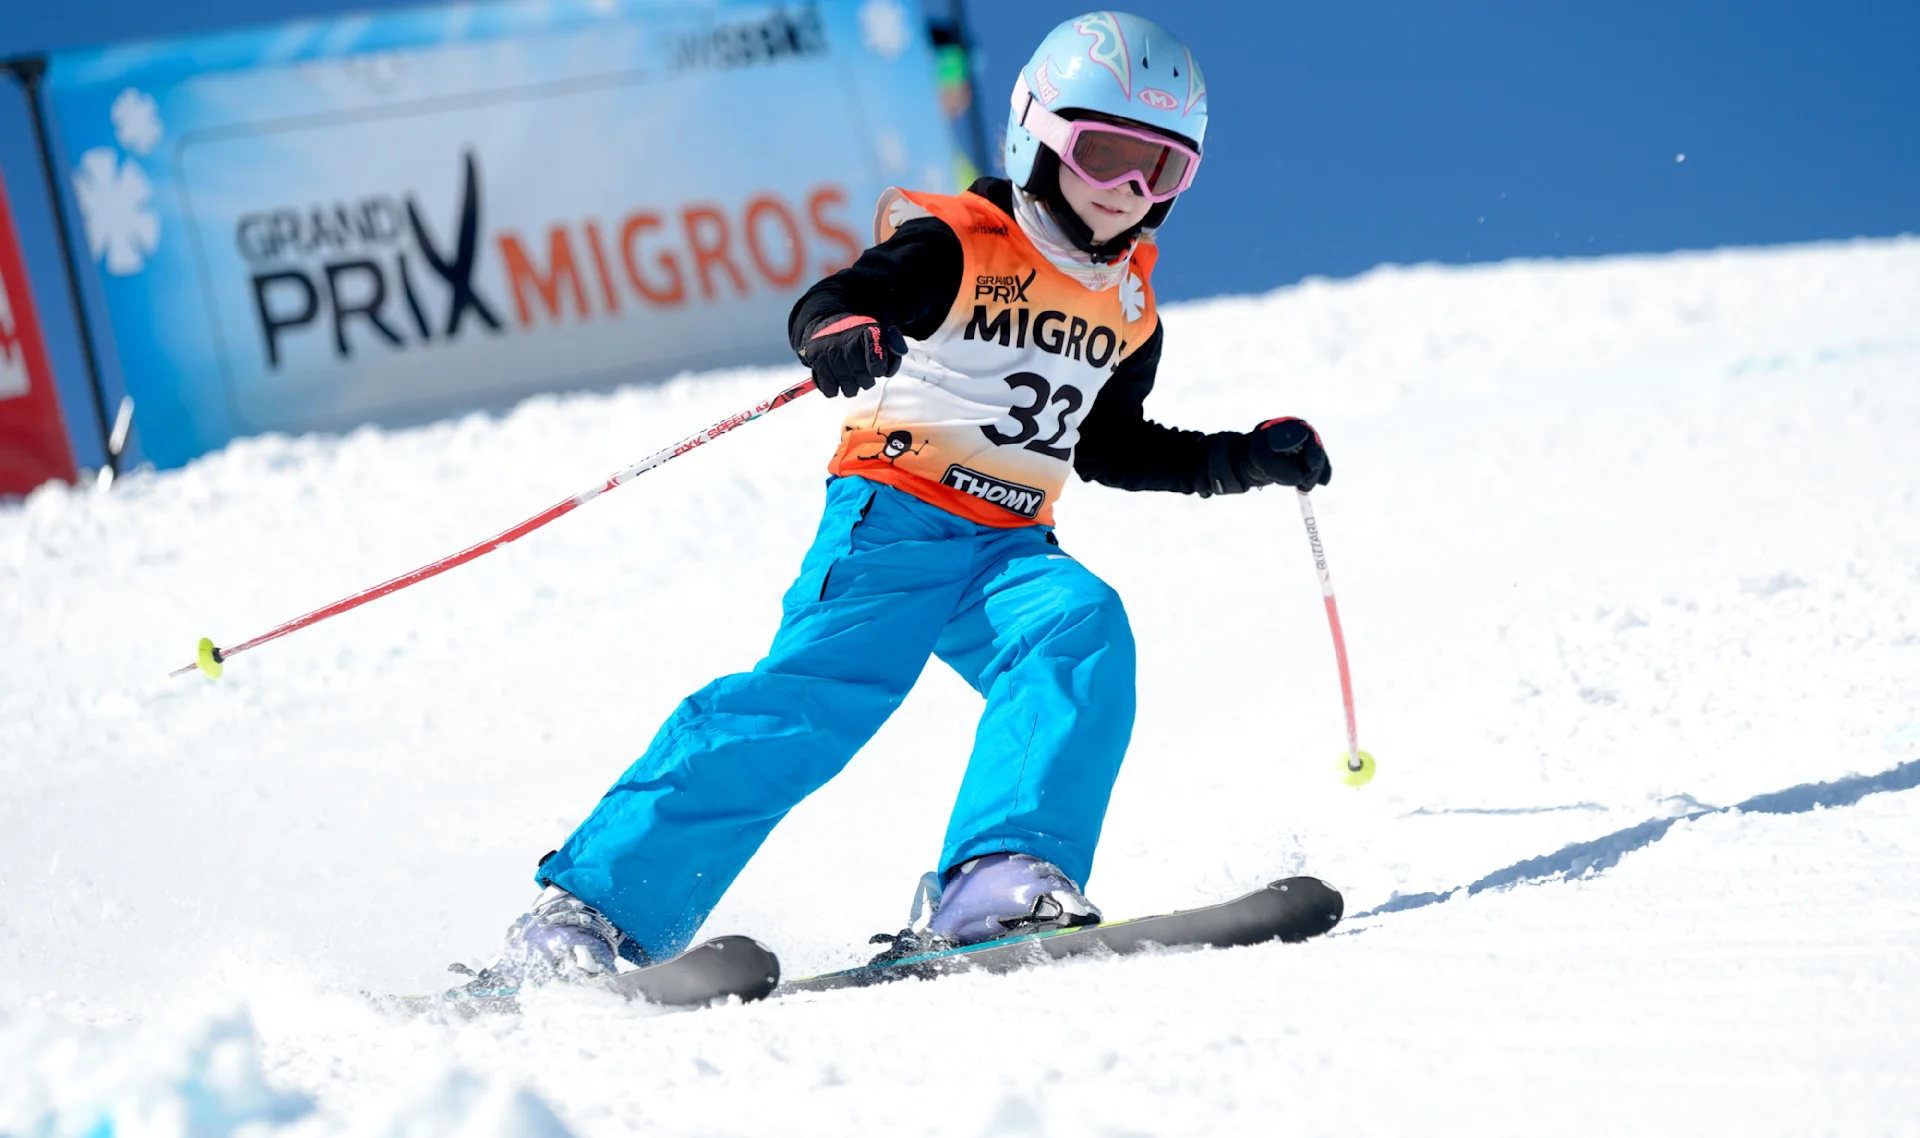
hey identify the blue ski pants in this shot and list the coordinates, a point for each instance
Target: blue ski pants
(888, 581)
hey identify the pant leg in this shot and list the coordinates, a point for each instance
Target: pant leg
(1048, 644)
(857, 627)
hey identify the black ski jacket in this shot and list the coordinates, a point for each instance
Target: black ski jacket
(911, 281)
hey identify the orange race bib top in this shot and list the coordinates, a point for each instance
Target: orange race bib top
(983, 416)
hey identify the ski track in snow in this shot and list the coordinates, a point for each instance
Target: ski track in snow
(1620, 544)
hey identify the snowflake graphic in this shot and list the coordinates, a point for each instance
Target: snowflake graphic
(121, 229)
(136, 121)
(885, 28)
(904, 209)
(377, 71)
(1133, 300)
(892, 150)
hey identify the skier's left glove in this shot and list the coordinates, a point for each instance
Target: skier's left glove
(847, 353)
(1283, 452)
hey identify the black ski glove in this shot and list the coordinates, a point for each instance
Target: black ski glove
(847, 353)
(1283, 452)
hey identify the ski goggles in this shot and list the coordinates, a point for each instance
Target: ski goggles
(1106, 154)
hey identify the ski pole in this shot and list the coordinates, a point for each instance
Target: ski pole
(1359, 765)
(211, 660)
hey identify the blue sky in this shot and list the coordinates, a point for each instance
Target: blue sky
(1347, 135)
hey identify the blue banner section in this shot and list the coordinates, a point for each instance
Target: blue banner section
(390, 218)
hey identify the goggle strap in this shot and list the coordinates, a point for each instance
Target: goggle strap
(1046, 126)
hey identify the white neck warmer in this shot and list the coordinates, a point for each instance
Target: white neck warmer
(1037, 222)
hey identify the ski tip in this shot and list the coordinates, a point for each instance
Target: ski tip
(1317, 907)
(709, 972)
(755, 962)
(1356, 769)
(209, 660)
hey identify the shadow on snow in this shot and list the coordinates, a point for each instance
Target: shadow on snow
(1605, 852)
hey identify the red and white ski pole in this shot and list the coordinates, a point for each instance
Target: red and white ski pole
(211, 660)
(1359, 765)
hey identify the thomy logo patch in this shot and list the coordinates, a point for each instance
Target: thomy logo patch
(1022, 500)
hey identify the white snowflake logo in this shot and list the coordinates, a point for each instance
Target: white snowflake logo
(884, 28)
(903, 210)
(136, 121)
(13, 357)
(892, 150)
(121, 229)
(1133, 298)
(379, 71)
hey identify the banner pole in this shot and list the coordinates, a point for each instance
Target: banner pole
(30, 69)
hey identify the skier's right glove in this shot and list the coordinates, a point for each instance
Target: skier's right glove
(1283, 452)
(847, 353)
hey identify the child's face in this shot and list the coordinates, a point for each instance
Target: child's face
(1109, 213)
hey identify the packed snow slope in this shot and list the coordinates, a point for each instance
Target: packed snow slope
(1620, 545)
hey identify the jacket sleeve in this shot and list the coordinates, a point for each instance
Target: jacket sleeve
(909, 281)
(1120, 447)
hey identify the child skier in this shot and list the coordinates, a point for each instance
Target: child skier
(990, 343)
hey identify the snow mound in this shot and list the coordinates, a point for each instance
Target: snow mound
(205, 1078)
(201, 1079)
(463, 1105)
(1626, 552)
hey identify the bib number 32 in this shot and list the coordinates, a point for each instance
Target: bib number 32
(1045, 397)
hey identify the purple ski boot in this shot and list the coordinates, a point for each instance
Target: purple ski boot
(988, 897)
(560, 938)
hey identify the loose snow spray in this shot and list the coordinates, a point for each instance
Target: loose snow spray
(210, 661)
(1358, 764)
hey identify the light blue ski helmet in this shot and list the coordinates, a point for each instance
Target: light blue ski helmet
(1114, 64)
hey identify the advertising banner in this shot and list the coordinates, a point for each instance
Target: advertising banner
(389, 218)
(33, 437)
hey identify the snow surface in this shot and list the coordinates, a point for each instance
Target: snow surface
(1620, 544)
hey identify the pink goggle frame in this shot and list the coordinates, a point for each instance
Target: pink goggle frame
(1106, 154)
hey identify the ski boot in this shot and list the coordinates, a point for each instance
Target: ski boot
(986, 898)
(562, 938)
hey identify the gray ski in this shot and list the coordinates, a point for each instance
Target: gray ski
(1290, 910)
(704, 974)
